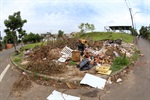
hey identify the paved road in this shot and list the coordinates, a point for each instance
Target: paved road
(10, 76)
(135, 87)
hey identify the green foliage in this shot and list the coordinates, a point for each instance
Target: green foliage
(60, 33)
(133, 32)
(46, 79)
(22, 34)
(84, 27)
(135, 56)
(71, 63)
(144, 32)
(149, 37)
(1, 45)
(14, 24)
(108, 35)
(119, 63)
(31, 46)
(31, 37)
(17, 58)
(8, 39)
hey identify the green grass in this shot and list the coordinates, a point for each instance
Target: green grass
(108, 35)
(31, 46)
(72, 63)
(119, 63)
(45, 78)
(17, 58)
(135, 56)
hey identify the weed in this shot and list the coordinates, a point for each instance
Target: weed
(46, 79)
(119, 63)
(71, 63)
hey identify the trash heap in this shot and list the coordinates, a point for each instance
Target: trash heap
(44, 59)
(52, 58)
(102, 56)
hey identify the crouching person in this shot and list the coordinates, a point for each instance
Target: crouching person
(86, 63)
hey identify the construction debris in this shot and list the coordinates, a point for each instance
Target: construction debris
(93, 81)
(54, 57)
(104, 69)
(119, 80)
(61, 96)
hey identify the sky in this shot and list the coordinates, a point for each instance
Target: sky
(52, 15)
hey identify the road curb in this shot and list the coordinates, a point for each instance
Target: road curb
(114, 75)
(74, 80)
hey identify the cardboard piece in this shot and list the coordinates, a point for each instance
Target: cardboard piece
(93, 81)
(61, 96)
(104, 69)
(105, 72)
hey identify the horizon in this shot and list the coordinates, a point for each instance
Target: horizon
(50, 16)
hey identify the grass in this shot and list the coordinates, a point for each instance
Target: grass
(119, 63)
(108, 35)
(135, 56)
(72, 63)
(17, 58)
(31, 46)
(45, 78)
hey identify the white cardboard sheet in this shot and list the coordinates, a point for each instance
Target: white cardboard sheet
(93, 81)
(61, 96)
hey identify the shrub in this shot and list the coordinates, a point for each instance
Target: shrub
(119, 63)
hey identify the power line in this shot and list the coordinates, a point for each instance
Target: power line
(127, 4)
(130, 10)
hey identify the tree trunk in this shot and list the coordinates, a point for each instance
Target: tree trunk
(14, 40)
(14, 46)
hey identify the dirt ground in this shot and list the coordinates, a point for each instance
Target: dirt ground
(22, 84)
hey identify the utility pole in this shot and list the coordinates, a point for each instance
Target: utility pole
(131, 17)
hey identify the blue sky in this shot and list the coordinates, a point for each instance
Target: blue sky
(52, 15)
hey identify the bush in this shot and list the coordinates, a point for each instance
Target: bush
(119, 63)
(135, 56)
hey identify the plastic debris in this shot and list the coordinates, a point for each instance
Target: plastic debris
(116, 54)
(119, 80)
(109, 80)
(44, 58)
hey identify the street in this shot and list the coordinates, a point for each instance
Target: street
(135, 87)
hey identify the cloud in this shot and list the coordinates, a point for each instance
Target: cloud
(52, 15)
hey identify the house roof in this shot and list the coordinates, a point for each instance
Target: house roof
(120, 27)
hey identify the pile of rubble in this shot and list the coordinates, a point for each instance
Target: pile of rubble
(52, 58)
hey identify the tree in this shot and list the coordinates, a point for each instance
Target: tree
(84, 27)
(133, 32)
(60, 34)
(14, 24)
(38, 37)
(31, 37)
(22, 34)
(92, 27)
(144, 32)
(81, 27)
